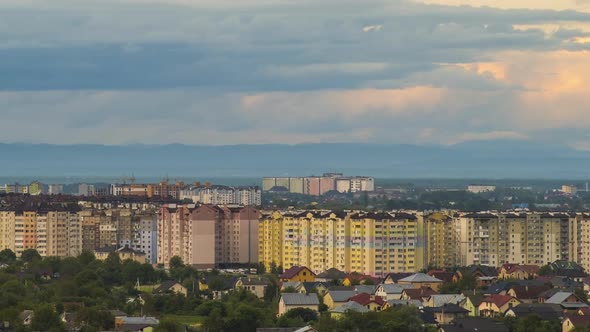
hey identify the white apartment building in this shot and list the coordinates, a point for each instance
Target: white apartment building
(145, 237)
(223, 195)
(476, 188)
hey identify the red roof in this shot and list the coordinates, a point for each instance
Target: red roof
(365, 299)
(584, 311)
(511, 268)
(442, 275)
(529, 292)
(360, 277)
(498, 300)
(419, 293)
(293, 271)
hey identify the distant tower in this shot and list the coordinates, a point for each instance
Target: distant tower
(586, 186)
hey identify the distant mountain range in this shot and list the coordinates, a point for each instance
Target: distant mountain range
(497, 159)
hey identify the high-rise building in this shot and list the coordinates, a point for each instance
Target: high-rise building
(145, 237)
(51, 233)
(369, 243)
(223, 195)
(208, 236)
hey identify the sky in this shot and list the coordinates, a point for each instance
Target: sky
(215, 72)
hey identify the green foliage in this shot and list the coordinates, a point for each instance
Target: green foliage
(216, 284)
(30, 255)
(545, 270)
(176, 262)
(86, 257)
(297, 317)
(7, 256)
(94, 317)
(533, 323)
(581, 294)
(46, 319)
(399, 319)
(168, 326)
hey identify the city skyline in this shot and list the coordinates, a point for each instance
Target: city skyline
(217, 72)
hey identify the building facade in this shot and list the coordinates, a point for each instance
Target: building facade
(369, 243)
(208, 236)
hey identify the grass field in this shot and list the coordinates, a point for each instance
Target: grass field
(147, 288)
(194, 321)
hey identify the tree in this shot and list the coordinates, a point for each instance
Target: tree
(86, 257)
(545, 270)
(30, 255)
(305, 314)
(216, 284)
(168, 326)
(7, 256)
(176, 262)
(581, 294)
(46, 319)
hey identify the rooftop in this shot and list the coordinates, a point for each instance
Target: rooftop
(300, 299)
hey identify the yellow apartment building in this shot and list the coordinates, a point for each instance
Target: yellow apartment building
(53, 233)
(368, 243)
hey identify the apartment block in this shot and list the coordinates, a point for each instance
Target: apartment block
(319, 185)
(369, 243)
(223, 195)
(208, 236)
(145, 237)
(51, 233)
(498, 238)
(441, 238)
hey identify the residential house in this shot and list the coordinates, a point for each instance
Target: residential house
(518, 271)
(568, 301)
(26, 316)
(475, 271)
(471, 303)
(421, 280)
(445, 276)
(298, 273)
(448, 313)
(526, 293)
(335, 298)
(398, 303)
(546, 311)
(290, 301)
(331, 275)
(498, 288)
(371, 302)
(171, 286)
(393, 278)
(315, 287)
(438, 300)
(293, 285)
(135, 324)
(338, 312)
(497, 305)
(366, 289)
(575, 322)
(568, 269)
(359, 279)
(256, 286)
(485, 281)
(420, 294)
(124, 253)
(474, 324)
(391, 291)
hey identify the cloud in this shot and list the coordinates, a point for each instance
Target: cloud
(261, 71)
